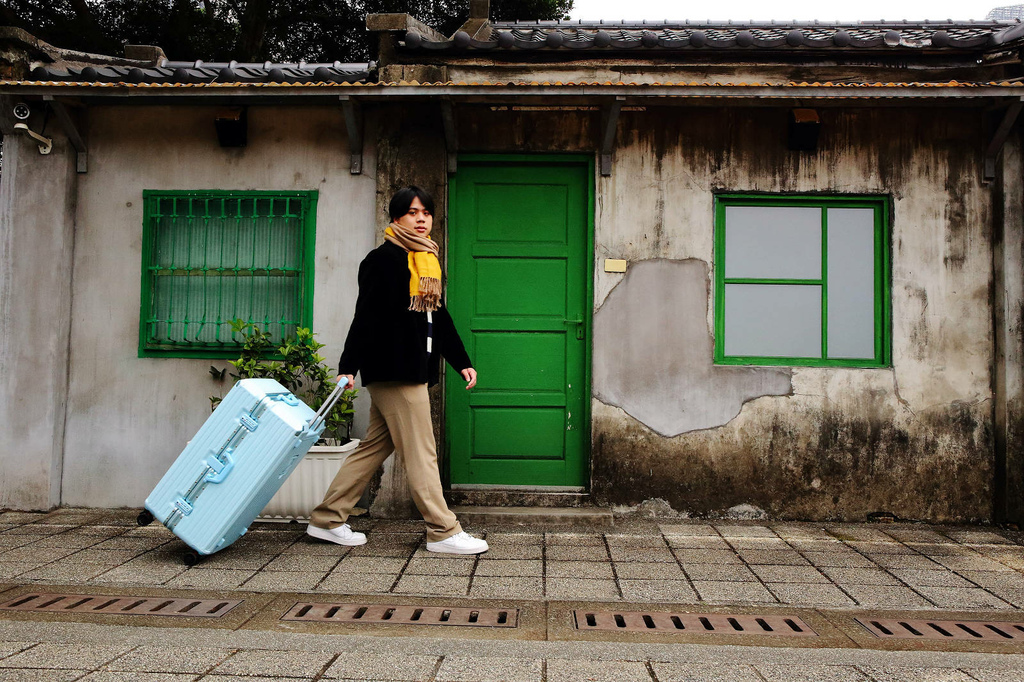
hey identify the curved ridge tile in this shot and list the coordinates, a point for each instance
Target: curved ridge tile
(1008, 35)
(969, 42)
(769, 42)
(626, 43)
(528, 44)
(673, 43)
(579, 44)
(721, 42)
(437, 44)
(874, 41)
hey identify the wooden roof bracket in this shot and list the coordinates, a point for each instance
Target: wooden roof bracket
(451, 135)
(71, 130)
(354, 128)
(609, 123)
(995, 145)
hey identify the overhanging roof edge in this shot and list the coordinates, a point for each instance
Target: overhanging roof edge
(403, 90)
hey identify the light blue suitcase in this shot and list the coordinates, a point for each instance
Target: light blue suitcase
(236, 462)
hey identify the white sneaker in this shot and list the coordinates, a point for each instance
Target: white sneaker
(460, 543)
(342, 535)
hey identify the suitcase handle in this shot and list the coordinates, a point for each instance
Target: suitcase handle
(218, 474)
(325, 409)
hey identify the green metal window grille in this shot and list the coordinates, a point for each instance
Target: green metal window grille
(802, 280)
(213, 256)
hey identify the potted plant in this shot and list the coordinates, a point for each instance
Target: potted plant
(301, 370)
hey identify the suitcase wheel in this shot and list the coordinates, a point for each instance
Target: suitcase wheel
(190, 558)
(144, 518)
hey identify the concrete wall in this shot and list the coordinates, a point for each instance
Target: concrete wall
(915, 439)
(37, 214)
(128, 417)
(1008, 265)
(919, 439)
(410, 151)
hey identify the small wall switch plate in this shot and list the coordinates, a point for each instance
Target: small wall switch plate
(614, 265)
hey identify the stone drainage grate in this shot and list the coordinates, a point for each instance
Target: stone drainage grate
(969, 630)
(390, 614)
(120, 605)
(699, 623)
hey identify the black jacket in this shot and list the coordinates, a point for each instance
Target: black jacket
(387, 341)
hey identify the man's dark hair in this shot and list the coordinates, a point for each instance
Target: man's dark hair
(402, 200)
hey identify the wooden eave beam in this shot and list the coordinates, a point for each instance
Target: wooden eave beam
(354, 128)
(609, 124)
(995, 145)
(71, 130)
(451, 135)
(526, 92)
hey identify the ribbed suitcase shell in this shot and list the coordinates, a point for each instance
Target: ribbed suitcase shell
(232, 467)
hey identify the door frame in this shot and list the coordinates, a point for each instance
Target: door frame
(586, 161)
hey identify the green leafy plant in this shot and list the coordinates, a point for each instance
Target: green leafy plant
(301, 370)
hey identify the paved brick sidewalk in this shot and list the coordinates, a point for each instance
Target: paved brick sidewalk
(108, 654)
(898, 566)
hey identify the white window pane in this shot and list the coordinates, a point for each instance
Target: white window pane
(778, 242)
(851, 283)
(773, 320)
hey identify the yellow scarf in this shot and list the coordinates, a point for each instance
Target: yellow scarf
(424, 268)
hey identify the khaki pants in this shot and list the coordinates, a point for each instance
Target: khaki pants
(399, 423)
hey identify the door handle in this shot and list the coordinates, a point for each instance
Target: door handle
(579, 326)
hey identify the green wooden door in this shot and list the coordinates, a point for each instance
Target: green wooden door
(519, 274)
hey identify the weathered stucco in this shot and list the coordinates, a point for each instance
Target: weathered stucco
(653, 353)
(1008, 295)
(37, 219)
(409, 152)
(919, 439)
(916, 439)
(642, 69)
(129, 417)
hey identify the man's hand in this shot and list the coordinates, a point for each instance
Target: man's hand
(469, 374)
(349, 380)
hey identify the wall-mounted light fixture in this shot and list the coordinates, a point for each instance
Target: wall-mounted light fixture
(804, 127)
(232, 127)
(45, 143)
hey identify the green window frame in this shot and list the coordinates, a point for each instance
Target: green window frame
(210, 256)
(735, 292)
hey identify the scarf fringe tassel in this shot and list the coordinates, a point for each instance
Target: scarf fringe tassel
(429, 297)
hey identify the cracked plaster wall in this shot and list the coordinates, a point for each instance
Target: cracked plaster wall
(915, 439)
(661, 372)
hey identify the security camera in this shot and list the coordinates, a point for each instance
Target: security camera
(21, 111)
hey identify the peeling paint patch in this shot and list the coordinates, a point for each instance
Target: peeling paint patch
(653, 353)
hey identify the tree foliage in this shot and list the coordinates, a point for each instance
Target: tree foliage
(243, 30)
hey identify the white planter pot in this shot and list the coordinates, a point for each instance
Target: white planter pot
(305, 488)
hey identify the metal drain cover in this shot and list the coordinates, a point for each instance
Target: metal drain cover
(699, 623)
(120, 605)
(389, 614)
(968, 630)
